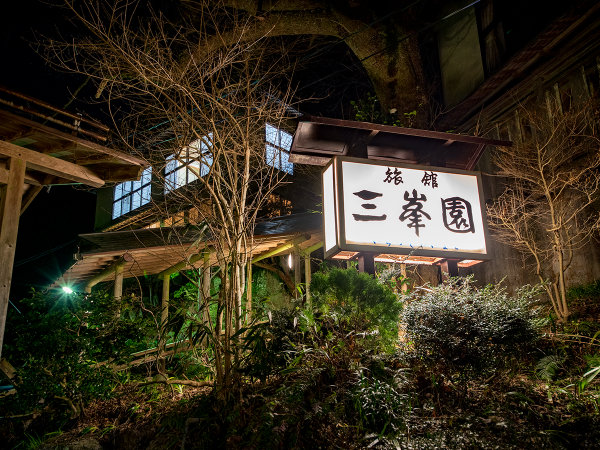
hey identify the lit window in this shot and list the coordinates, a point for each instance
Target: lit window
(278, 149)
(131, 195)
(192, 160)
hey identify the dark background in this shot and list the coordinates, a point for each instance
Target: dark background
(49, 227)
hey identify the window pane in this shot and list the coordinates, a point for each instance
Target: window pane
(136, 185)
(171, 164)
(118, 191)
(194, 150)
(285, 140)
(206, 164)
(116, 212)
(192, 173)
(146, 175)
(170, 182)
(136, 199)
(125, 205)
(146, 194)
(271, 134)
(126, 187)
(272, 156)
(286, 165)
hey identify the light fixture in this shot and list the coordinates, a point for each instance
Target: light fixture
(67, 290)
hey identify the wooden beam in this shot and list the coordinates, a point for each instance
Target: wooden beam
(107, 272)
(29, 196)
(312, 248)
(10, 211)
(183, 264)
(281, 248)
(4, 176)
(53, 166)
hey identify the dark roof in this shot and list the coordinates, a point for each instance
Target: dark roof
(38, 126)
(571, 37)
(319, 139)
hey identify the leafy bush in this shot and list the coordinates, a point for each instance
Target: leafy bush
(362, 302)
(586, 291)
(459, 328)
(57, 343)
(380, 406)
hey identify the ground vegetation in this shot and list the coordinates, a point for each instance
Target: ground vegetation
(487, 370)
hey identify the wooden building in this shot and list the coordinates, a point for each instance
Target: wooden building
(41, 145)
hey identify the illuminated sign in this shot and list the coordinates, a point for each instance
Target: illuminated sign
(387, 208)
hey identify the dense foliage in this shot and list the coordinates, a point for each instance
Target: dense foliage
(326, 373)
(60, 344)
(458, 328)
(359, 301)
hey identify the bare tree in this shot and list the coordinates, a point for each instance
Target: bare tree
(549, 209)
(205, 111)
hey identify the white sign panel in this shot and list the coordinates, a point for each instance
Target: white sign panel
(385, 207)
(329, 208)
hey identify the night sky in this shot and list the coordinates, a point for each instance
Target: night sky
(49, 227)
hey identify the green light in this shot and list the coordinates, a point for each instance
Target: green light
(67, 290)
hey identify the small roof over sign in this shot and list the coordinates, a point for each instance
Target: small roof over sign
(319, 139)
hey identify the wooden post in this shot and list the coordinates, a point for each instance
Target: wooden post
(448, 269)
(164, 317)
(307, 277)
(297, 271)
(118, 289)
(366, 263)
(10, 210)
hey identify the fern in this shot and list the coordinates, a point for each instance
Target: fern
(547, 367)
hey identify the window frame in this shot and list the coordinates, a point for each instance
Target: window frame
(184, 161)
(278, 147)
(126, 192)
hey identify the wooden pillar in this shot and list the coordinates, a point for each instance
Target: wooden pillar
(448, 269)
(118, 289)
(297, 271)
(307, 277)
(164, 317)
(366, 263)
(10, 210)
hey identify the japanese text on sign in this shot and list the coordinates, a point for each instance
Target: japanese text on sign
(414, 208)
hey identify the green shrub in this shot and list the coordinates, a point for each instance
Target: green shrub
(380, 406)
(459, 328)
(586, 291)
(361, 301)
(56, 343)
